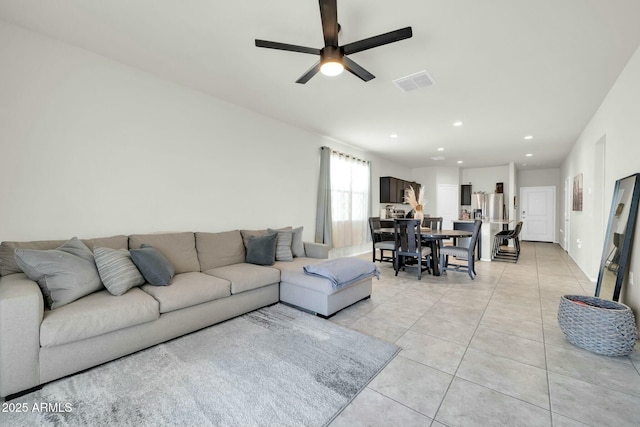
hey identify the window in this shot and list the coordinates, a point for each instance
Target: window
(350, 187)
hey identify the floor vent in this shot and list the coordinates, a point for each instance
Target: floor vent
(414, 81)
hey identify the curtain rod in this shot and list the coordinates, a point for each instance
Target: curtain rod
(344, 154)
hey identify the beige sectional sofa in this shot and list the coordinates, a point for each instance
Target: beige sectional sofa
(212, 283)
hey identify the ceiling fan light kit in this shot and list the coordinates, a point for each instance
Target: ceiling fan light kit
(331, 61)
(331, 67)
(333, 58)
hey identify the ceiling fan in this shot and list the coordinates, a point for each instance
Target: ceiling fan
(333, 58)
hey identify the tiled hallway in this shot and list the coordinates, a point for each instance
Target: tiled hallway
(488, 352)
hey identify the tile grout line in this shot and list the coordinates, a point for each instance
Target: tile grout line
(400, 403)
(454, 376)
(544, 340)
(433, 419)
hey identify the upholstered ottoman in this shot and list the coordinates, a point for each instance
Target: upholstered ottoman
(317, 294)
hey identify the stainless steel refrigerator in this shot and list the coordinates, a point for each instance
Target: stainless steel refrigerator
(491, 205)
(495, 206)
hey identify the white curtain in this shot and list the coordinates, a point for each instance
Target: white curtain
(350, 187)
(323, 207)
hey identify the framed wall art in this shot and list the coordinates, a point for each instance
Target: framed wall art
(577, 192)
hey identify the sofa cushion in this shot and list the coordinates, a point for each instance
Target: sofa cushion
(117, 271)
(262, 250)
(189, 289)
(248, 234)
(283, 243)
(96, 314)
(244, 277)
(8, 263)
(64, 274)
(153, 265)
(179, 248)
(219, 249)
(297, 245)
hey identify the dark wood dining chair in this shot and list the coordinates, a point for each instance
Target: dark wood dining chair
(380, 243)
(465, 255)
(408, 244)
(432, 222)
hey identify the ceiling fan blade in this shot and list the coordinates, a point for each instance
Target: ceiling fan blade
(288, 47)
(357, 70)
(329, 16)
(310, 73)
(379, 40)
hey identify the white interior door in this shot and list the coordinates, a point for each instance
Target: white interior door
(538, 213)
(447, 205)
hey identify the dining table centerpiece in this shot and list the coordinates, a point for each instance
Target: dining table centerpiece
(417, 203)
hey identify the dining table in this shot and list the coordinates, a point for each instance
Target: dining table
(435, 237)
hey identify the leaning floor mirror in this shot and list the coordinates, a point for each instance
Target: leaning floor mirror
(619, 237)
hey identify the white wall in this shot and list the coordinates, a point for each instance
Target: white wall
(91, 147)
(512, 203)
(539, 177)
(431, 177)
(617, 119)
(485, 179)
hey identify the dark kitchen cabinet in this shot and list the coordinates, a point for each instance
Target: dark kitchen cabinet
(465, 195)
(392, 189)
(387, 190)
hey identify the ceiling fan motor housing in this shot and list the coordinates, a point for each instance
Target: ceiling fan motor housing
(331, 52)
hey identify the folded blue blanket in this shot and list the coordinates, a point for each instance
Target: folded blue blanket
(343, 271)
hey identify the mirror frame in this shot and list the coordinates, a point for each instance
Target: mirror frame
(627, 241)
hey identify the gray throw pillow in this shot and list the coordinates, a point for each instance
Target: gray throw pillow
(283, 243)
(297, 245)
(247, 234)
(64, 274)
(154, 266)
(117, 270)
(262, 250)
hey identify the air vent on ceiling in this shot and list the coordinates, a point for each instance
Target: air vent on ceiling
(414, 81)
(438, 158)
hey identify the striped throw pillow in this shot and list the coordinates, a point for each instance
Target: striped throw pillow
(117, 270)
(283, 243)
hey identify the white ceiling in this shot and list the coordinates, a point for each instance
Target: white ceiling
(506, 68)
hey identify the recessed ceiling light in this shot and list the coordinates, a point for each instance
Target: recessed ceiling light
(458, 123)
(528, 137)
(441, 149)
(393, 135)
(460, 161)
(529, 154)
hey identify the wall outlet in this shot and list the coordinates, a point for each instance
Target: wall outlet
(631, 278)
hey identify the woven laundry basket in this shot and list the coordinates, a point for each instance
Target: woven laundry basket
(598, 325)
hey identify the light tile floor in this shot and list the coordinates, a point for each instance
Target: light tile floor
(488, 352)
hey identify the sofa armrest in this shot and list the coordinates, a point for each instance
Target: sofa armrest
(21, 313)
(316, 250)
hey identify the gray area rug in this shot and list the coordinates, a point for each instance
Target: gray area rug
(276, 366)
